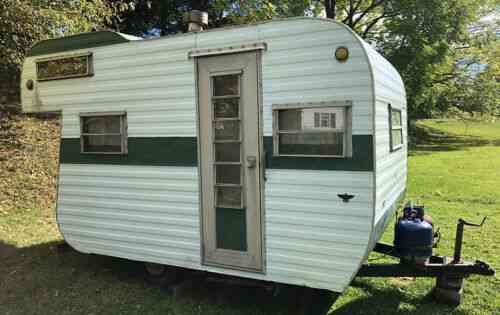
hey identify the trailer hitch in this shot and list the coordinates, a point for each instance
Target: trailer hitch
(448, 271)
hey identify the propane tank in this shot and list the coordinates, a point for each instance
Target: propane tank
(414, 235)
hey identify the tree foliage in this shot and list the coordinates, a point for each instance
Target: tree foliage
(20, 27)
(166, 16)
(66, 17)
(24, 22)
(419, 37)
(469, 81)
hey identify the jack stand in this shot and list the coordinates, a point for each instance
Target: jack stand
(449, 289)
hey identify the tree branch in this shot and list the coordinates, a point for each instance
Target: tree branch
(357, 6)
(350, 13)
(330, 9)
(373, 5)
(374, 22)
(446, 77)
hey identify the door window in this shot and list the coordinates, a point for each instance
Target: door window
(226, 124)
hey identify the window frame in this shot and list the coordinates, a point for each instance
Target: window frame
(123, 132)
(347, 130)
(90, 68)
(393, 127)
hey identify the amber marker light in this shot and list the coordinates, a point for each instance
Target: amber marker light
(30, 84)
(341, 54)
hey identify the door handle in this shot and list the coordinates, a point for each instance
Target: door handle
(251, 161)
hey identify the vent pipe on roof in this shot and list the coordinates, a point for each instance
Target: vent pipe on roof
(196, 20)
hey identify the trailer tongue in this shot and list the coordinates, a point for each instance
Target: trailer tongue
(448, 271)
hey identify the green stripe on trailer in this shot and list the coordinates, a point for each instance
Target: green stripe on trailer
(79, 41)
(165, 151)
(183, 151)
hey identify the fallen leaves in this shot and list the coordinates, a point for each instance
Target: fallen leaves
(29, 150)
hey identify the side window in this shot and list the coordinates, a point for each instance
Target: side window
(311, 130)
(395, 128)
(67, 67)
(104, 133)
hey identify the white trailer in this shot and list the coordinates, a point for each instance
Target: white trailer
(274, 151)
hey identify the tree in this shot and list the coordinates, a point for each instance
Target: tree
(23, 22)
(416, 36)
(469, 82)
(361, 15)
(20, 27)
(66, 17)
(166, 15)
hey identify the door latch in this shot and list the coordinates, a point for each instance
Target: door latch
(251, 161)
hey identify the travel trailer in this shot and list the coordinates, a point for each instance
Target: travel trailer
(274, 151)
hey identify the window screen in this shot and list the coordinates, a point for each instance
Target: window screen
(64, 67)
(103, 133)
(314, 131)
(396, 128)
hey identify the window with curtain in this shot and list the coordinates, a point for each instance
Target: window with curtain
(311, 131)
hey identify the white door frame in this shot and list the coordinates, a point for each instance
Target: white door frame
(248, 66)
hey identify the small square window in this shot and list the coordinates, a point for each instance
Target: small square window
(395, 128)
(104, 133)
(311, 130)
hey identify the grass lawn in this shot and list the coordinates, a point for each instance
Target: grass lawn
(455, 175)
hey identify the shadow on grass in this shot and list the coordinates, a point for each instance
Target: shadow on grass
(427, 139)
(388, 301)
(44, 279)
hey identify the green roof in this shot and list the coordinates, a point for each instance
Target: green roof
(79, 41)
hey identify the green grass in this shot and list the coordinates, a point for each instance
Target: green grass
(455, 175)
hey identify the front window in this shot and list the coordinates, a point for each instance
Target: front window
(311, 130)
(103, 133)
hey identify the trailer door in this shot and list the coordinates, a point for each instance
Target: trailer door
(230, 151)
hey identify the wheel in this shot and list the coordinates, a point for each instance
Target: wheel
(316, 301)
(161, 274)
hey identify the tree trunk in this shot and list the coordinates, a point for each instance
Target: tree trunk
(330, 8)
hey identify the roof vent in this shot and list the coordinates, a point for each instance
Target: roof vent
(196, 20)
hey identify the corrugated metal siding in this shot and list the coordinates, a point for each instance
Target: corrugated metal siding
(145, 211)
(310, 231)
(151, 213)
(390, 167)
